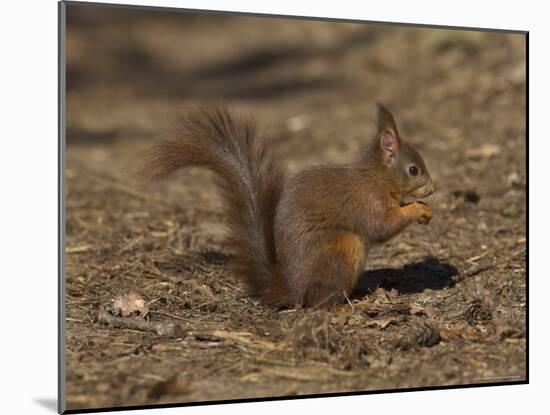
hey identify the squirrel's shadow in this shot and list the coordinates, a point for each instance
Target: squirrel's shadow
(412, 278)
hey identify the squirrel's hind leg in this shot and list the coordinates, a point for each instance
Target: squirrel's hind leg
(336, 271)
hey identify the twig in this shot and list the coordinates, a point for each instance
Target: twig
(162, 329)
(349, 302)
(161, 283)
(203, 304)
(153, 301)
(172, 315)
(75, 319)
(77, 249)
(473, 260)
(328, 297)
(478, 270)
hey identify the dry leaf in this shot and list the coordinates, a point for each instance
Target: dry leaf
(463, 330)
(129, 304)
(381, 292)
(428, 311)
(385, 296)
(382, 322)
(367, 306)
(449, 334)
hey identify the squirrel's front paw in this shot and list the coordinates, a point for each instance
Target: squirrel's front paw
(423, 212)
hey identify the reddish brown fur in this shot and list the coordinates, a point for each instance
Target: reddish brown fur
(278, 293)
(304, 244)
(350, 247)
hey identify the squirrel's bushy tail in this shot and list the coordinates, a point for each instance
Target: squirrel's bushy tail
(249, 180)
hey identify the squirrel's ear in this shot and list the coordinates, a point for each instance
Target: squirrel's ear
(387, 134)
(386, 121)
(389, 146)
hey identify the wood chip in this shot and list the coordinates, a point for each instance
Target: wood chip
(77, 249)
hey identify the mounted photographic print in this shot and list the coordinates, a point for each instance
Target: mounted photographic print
(258, 207)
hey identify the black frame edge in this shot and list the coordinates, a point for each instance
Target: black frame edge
(289, 398)
(527, 206)
(61, 130)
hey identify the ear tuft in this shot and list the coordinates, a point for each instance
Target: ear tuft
(385, 120)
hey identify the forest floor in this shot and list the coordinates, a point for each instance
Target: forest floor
(443, 304)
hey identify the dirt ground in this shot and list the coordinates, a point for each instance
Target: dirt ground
(443, 304)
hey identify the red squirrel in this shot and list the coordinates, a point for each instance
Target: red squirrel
(301, 243)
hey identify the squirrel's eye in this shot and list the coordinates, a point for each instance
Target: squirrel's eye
(413, 170)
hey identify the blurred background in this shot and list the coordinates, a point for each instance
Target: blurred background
(457, 96)
(130, 70)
